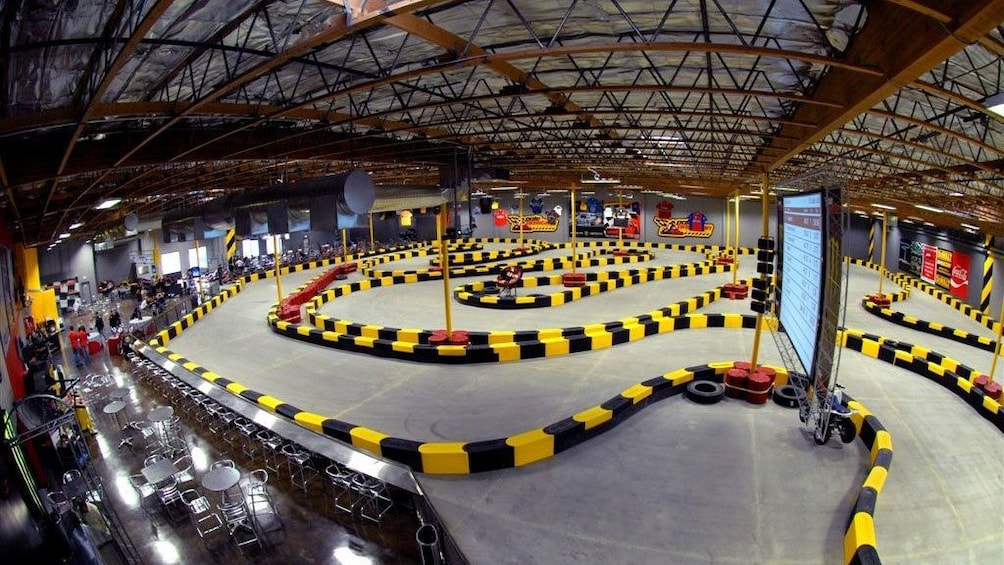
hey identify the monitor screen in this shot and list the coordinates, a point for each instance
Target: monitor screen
(801, 277)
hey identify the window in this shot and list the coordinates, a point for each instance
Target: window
(249, 247)
(170, 263)
(203, 260)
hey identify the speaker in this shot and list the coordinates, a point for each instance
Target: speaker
(324, 213)
(758, 295)
(765, 268)
(758, 307)
(761, 284)
(242, 222)
(765, 243)
(764, 255)
(278, 217)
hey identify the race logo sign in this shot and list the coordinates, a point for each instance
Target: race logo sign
(694, 225)
(534, 223)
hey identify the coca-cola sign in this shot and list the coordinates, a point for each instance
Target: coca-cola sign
(959, 285)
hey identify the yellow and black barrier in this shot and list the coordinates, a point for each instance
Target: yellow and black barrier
(905, 280)
(860, 547)
(473, 294)
(933, 328)
(501, 345)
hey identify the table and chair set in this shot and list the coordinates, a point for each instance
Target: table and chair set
(350, 492)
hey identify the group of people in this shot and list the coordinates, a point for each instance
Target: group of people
(79, 339)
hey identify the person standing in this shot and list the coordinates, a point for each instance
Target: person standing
(82, 339)
(99, 324)
(75, 346)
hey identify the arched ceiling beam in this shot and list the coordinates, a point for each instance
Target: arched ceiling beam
(127, 50)
(899, 43)
(338, 27)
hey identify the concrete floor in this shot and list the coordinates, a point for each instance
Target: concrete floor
(677, 483)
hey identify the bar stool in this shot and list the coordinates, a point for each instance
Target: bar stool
(247, 429)
(271, 447)
(199, 510)
(372, 501)
(240, 524)
(258, 498)
(342, 494)
(298, 465)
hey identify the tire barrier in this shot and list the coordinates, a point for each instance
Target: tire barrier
(705, 392)
(788, 396)
(478, 294)
(933, 328)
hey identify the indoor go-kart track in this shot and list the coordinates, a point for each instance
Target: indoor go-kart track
(678, 482)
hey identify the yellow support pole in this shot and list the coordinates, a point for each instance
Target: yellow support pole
(198, 264)
(620, 206)
(728, 228)
(522, 196)
(764, 232)
(444, 259)
(885, 233)
(735, 249)
(275, 253)
(997, 349)
(156, 252)
(345, 247)
(573, 212)
(372, 240)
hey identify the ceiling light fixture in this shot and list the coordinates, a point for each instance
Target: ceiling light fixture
(929, 208)
(970, 226)
(883, 206)
(64, 235)
(76, 225)
(108, 203)
(995, 104)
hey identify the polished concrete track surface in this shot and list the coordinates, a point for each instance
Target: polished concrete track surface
(676, 483)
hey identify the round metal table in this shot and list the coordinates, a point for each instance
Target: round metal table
(119, 393)
(113, 408)
(221, 479)
(160, 414)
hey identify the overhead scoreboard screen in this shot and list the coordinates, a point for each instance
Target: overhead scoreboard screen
(802, 265)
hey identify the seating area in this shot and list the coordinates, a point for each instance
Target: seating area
(243, 502)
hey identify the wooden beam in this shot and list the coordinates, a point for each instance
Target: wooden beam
(900, 44)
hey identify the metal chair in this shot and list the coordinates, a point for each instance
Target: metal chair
(258, 498)
(184, 474)
(271, 447)
(169, 496)
(248, 430)
(240, 524)
(199, 510)
(298, 465)
(342, 495)
(58, 501)
(222, 463)
(375, 499)
(144, 489)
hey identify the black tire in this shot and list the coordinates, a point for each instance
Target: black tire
(847, 430)
(705, 392)
(789, 396)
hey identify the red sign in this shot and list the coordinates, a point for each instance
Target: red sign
(959, 285)
(929, 264)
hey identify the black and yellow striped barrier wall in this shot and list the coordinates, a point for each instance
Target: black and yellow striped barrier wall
(503, 346)
(596, 283)
(904, 280)
(186, 321)
(478, 257)
(860, 547)
(949, 373)
(230, 243)
(933, 328)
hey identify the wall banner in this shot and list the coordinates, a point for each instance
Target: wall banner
(959, 283)
(696, 224)
(929, 263)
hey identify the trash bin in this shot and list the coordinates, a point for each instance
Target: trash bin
(428, 545)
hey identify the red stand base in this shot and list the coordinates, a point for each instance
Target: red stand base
(619, 252)
(573, 279)
(993, 390)
(736, 291)
(725, 260)
(458, 337)
(879, 299)
(435, 269)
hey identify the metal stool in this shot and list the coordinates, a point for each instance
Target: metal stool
(298, 465)
(247, 429)
(271, 448)
(342, 494)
